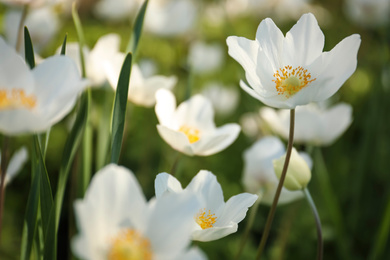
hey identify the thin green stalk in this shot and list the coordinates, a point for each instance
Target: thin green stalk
(251, 220)
(3, 168)
(320, 243)
(175, 163)
(271, 213)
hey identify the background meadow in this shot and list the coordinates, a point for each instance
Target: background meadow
(355, 212)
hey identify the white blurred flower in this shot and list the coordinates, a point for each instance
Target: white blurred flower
(205, 58)
(224, 99)
(259, 174)
(285, 72)
(31, 101)
(313, 124)
(251, 124)
(214, 218)
(368, 13)
(142, 90)
(115, 10)
(170, 17)
(32, 3)
(190, 128)
(15, 164)
(105, 51)
(42, 23)
(115, 221)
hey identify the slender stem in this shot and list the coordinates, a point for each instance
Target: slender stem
(3, 172)
(320, 243)
(271, 213)
(175, 162)
(251, 220)
(20, 28)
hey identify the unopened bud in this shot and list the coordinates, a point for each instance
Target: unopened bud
(298, 172)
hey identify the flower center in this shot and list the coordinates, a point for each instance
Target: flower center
(130, 245)
(192, 133)
(205, 221)
(290, 81)
(16, 98)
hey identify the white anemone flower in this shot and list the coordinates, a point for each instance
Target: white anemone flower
(205, 58)
(259, 174)
(368, 13)
(104, 52)
(285, 72)
(170, 17)
(214, 218)
(15, 164)
(31, 101)
(115, 221)
(190, 127)
(313, 124)
(224, 98)
(142, 90)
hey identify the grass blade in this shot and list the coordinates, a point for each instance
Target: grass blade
(137, 29)
(28, 49)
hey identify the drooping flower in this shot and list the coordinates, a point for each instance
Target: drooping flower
(31, 101)
(259, 174)
(205, 58)
(115, 221)
(285, 72)
(15, 164)
(214, 218)
(190, 128)
(314, 124)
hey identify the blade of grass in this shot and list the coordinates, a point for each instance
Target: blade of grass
(135, 37)
(28, 49)
(63, 47)
(119, 111)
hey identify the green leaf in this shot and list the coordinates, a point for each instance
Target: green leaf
(119, 111)
(63, 47)
(30, 218)
(132, 46)
(103, 132)
(80, 35)
(71, 146)
(28, 49)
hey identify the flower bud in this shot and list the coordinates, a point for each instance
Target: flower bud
(298, 172)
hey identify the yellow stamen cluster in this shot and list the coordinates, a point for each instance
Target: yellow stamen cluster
(130, 245)
(192, 133)
(205, 220)
(289, 81)
(16, 98)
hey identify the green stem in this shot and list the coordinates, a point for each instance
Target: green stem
(3, 168)
(175, 163)
(320, 243)
(271, 213)
(20, 28)
(251, 220)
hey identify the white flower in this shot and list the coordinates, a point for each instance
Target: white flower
(205, 58)
(42, 23)
(214, 218)
(15, 164)
(105, 51)
(368, 13)
(259, 174)
(170, 17)
(114, 10)
(32, 3)
(142, 90)
(285, 72)
(33, 100)
(224, 99)
(115, 221)
(190, 128)
(313, 124)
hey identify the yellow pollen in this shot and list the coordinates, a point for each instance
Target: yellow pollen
(290, 81)
(130, 245)
(16, 98)
(192, 133)
(205, 221)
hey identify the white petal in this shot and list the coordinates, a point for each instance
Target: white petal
(165, 106)
(193, 254)
(205, 184)
(219, 140)
(165, 182)
(177, 140)
(304, 42)
(15, 164)
(337, 120)
(244, 51)
(235, 209)
(214, 233)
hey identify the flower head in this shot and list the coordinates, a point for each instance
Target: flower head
(31, 101)
(214, 218)
(259, 174)
(115, 221)
(190, 128)
(285, 72)
(314, 124)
